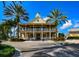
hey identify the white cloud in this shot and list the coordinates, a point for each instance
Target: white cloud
(46, 18)
(66, 25)
(76, 25)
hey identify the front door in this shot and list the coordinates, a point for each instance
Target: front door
(38, 36)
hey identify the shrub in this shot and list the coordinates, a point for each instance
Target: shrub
(59, 39)
(16, 39)
(73, 38)
(61, 35)
(6, 50)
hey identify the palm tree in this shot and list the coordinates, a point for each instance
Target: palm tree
(57, 17)
(16, 12)
(9, 24)
(3, 31)
(4, 2)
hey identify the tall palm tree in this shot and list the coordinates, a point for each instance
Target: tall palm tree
(16, 12)
(57, 17)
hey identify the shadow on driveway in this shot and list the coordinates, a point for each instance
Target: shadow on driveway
(70, 50)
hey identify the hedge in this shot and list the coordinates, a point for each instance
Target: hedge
(6, 50)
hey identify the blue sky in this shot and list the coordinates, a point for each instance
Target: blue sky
(70, 9)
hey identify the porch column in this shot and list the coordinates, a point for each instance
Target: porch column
(41, 33)
(50, 35)
(49, 32)
(33, 33)
(26, 36)
(29, 37)
(19, 35)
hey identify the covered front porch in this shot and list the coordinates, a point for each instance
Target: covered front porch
(38, 36)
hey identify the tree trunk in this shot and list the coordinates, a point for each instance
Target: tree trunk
(0, 42)
(56, 33)
(18, 32)
(14, 32)
(18, 20)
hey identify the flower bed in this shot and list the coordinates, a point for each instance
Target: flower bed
(6, 50)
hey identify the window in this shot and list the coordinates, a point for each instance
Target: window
(37, 20)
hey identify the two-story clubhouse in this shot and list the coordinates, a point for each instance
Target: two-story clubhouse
(37, 29)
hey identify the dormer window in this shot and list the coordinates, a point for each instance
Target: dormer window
(37, 20)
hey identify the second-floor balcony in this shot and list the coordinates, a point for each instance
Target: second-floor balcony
(38, 29)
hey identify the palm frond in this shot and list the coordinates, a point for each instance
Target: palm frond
(3, 3)
(57, 16)
(16, 10)
(50, 16)
(48, 20)
(63, 17)
(14, 3)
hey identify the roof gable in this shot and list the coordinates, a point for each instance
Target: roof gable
(38, 19)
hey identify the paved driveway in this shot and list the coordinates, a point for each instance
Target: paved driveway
(44, 48)
(59, 51)
(27, 45)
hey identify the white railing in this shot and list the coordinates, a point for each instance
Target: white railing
(37, 29)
